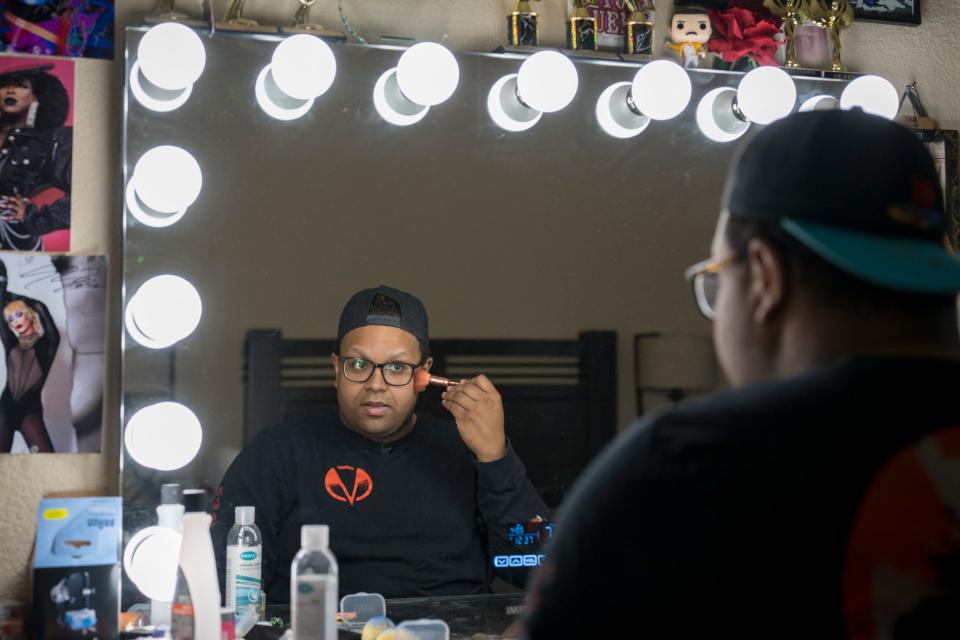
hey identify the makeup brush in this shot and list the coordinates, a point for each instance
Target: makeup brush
(422, 379)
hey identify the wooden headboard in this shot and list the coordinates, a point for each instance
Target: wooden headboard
(559, 396)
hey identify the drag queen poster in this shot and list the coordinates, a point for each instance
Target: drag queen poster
(53, 332)
(36, 149)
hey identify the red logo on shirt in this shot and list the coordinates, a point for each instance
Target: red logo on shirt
(337, 488)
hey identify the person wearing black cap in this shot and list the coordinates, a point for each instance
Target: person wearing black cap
(407, 496)
(819, 498)
(35, 155)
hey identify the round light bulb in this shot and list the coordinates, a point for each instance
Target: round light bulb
(303, 66)
(171, 56)
(547, 81)
(716, 118)
(874, 95)
(818, 103)
(661, 89)
(167, 179)
(150, 560)
(163, 436)
(504, 108)
(766, 94)
(163, 311)
(392, 106)
(615, 116)
(428, 73)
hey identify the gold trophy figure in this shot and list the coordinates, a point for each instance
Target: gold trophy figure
(582, 27)
(235, 15)
(640, 30)
(523, 26)
(794, 13)
(301, 19)
(834, 16)
(166, 10)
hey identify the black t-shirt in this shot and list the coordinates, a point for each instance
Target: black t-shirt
(406, 519)
(825, 506)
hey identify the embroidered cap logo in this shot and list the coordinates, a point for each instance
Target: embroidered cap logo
(337, 488)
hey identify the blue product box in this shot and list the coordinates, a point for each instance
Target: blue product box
(76, 568)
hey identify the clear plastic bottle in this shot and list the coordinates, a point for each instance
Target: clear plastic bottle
(313, 586)
(244, 559)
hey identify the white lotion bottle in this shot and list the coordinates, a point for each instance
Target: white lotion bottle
(244, 558)
(195, 614)
(313, 586)
(169, 516)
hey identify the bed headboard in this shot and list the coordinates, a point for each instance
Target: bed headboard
(559, 396)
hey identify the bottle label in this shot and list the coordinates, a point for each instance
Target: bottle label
(315, 609)
(181, 611)
(243, 577)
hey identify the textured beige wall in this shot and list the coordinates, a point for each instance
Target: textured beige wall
(927, 54)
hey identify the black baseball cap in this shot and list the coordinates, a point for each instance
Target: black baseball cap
(385, 306)
(860, 191)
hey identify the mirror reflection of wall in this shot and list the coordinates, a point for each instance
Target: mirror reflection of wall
(548, 235)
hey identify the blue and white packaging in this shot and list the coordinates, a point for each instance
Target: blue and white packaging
(76, 568)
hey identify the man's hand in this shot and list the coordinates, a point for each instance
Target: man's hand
(478, 410)
(13, 208)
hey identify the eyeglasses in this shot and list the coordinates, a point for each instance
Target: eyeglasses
(704, 278)
(395, 374)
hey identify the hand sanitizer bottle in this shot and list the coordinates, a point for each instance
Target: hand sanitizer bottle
(244, 559)
(313, 586)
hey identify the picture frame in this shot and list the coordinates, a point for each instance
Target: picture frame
(891, 11)
(944, 146)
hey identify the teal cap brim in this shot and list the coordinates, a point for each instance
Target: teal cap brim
(906, 265)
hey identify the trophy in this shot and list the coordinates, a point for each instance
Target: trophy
(793, 12)
(582, 27)
(523, 26)
(301, 19)
(640, 27)
(834, 16)
(235, 15)
(166, 11)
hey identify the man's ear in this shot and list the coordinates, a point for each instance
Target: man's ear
(335, 361)
(768, 279)
(427, 364)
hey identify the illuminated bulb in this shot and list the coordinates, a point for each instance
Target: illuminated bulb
(163, 436)
(301, 70)
(661, 90)
(167, 179)
(614, 114)
(505, 110)
(150, 560)
(171, 56)
(874, 95)
(303, 67)
(163, 311)
(716, 117)
(766, 94)
(427, 74)
(547, 81)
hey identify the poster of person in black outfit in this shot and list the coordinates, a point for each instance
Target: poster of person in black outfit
(53, 335)
(36, 148)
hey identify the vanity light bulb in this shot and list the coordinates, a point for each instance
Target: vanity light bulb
(766, 94)
(163, 311)
(547, 81)
(819, 103)
(661, 89)
(506, 111)
(428, 74)
(167, 179)
(163, 436)
(303, 67)
(716, 118)
(874, 95)
(150, 560)
(171, 56)
(614, 114)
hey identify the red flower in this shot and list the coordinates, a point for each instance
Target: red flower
(745, 29)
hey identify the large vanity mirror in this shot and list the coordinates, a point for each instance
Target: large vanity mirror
(546, 258)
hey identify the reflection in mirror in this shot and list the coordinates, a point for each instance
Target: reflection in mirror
(538, 254)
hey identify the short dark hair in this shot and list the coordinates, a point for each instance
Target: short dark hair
(382, 305)
(687, 10)
(830, 284)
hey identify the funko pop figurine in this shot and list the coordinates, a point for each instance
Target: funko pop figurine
(690, 29)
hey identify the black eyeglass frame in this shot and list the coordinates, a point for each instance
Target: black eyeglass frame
(343, 366)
